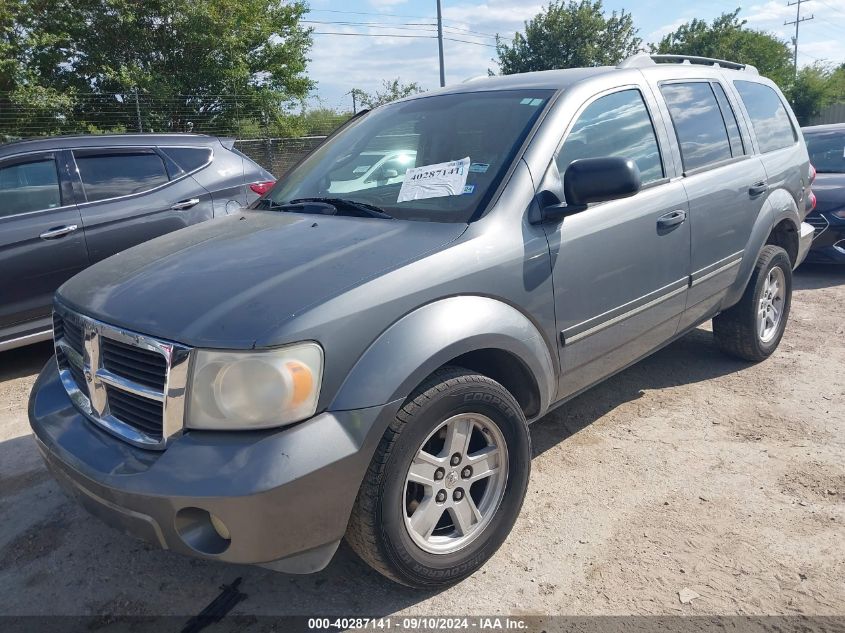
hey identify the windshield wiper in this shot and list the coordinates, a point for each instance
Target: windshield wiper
(368, 209)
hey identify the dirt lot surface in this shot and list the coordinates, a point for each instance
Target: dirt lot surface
(687, 471)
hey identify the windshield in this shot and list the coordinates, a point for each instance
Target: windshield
(437, 158)
(827, 151)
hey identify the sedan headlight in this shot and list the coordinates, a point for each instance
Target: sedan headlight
(256, 389)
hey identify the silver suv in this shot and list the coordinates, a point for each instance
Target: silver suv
(365, 365)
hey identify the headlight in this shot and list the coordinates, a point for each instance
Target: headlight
(254, 390)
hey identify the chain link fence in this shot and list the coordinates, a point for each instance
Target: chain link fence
(278, 155)
(274, 138)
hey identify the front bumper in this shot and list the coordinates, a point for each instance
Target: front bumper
(829, 240)
(282, 497)
(805, 241)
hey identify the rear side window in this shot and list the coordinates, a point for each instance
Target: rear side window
(698, 124)
(737, 146)
(29, 186)
(772, 126)
(617, 124)
(188, 158)
(111, 175)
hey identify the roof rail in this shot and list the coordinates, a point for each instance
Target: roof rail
(641, 60)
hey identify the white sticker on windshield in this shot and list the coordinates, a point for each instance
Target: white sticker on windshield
(435, 181)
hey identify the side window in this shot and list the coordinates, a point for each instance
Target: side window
(617, 124)
(737, 146)
(188, 158)
(30, 186)
(111, 175)
(698, 123)
(771, 123)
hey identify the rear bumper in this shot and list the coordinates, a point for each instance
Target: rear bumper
(279, 498)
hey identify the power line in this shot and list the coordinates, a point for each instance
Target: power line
(452, 39)
(834, 9)
(457, 28)
(424, 37)
(389, 15)
(385, 15)
(402, 35)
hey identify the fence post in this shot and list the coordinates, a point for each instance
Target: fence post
(138, 113)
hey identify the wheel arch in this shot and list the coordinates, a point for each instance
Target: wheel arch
(479, 333)
(777, 223)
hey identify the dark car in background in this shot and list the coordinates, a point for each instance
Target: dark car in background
(826, 146)
(67, 202)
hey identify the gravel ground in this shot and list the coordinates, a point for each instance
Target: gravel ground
(688, 471)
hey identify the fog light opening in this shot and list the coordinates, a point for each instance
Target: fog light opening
(202, 531)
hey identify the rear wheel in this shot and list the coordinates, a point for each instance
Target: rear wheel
(752, 329)
(446, 484)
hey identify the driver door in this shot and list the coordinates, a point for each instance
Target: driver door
(620, 268)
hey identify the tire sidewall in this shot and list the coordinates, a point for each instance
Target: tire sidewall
(780, 260)
(421, 567)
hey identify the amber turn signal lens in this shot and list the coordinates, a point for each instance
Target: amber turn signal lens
(303, 381)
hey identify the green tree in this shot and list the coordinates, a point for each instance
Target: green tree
(569, 35)
(727, 38)
(814, 88)
(203, 65)
(391, 90)
(29, 57)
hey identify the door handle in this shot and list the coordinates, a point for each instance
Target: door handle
(673, 218)
(758, 189)
(185, 204)
(59, 231)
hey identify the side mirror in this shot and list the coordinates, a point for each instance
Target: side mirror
(595, 180)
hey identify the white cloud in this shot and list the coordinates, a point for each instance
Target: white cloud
(771, 11)
(505, 13)
(386, 4)
(658, 34)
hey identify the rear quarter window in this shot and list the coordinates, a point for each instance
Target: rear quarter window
(188, 158)
(769, 117)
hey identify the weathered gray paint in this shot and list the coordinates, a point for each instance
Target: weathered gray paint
(572, 301)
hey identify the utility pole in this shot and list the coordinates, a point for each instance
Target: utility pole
(440, 43)
(354, 94)
(798, 20)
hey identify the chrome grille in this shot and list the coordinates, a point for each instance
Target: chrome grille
(142, 413)
(130, 384)
(143, 366)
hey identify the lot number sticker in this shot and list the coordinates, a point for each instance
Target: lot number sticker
(435, 181)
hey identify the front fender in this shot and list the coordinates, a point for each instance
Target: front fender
(429, 337)
(779, 206)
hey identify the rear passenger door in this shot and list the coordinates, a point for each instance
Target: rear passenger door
(725, 184)
(41, 238)
(620, 268)
(133, 194)
(776, 137)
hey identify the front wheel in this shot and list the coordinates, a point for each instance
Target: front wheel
(752, 329)
(446, 484)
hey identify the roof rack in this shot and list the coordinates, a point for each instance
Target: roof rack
(642, 60)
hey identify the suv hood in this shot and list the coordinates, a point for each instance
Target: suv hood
(226, 282)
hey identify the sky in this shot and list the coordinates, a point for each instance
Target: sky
(408, 49)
